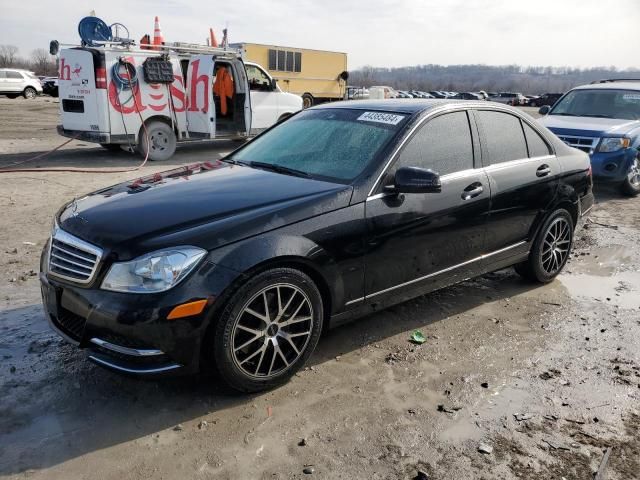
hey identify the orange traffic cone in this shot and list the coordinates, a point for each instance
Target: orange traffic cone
(212, 38)
(158, 39)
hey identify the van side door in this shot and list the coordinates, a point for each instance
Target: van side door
(524, 175)
(201, 112)
(264, 99)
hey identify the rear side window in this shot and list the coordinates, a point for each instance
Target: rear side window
(503, 136)
(443, 145)
(537, 146)
(14, 75)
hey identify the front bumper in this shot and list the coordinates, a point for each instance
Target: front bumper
(130, 333)
(612, 167)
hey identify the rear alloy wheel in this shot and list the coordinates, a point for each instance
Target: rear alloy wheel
(29, 93)
(631, 185)
(268, 330)
(159, 140)
(550, 250)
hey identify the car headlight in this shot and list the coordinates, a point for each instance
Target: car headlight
(154, 272)
(613, 144)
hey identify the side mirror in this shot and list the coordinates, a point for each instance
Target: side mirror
(544, 109)
(416, 180)
(274, 84)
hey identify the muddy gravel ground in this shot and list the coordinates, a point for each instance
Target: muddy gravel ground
(545, 378)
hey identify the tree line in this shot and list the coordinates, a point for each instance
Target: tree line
(40, 61)
(472, 78)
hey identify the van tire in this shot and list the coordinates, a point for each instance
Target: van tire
(162, 139)
(307, 100)
(29, 93)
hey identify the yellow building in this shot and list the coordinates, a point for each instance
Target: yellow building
(316, 75)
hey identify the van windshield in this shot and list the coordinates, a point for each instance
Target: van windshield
(328, 144)
(600, 103)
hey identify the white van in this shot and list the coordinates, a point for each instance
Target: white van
(119, 96)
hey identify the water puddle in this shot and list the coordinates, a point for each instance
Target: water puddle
(621, 289)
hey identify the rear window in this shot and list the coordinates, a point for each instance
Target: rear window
(331, 144)
(503, 136)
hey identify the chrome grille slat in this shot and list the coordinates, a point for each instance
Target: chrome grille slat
(91, 259)
(586, 144)
(88, 267)
(72, 258)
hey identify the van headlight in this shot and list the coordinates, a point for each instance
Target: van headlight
(613, 144)
(154, 272)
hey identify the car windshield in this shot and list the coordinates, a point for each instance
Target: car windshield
(609, 103)
(329, 144)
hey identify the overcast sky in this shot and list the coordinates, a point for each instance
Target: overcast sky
(373, 32)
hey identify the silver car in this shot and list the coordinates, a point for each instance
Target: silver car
(15, 82)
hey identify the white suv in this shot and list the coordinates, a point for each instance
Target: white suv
(15, 82)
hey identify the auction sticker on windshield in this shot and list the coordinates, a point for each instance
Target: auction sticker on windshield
(379, 117)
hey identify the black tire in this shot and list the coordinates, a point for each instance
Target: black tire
(307, 100)
(631, 185)
(13, 96)
(548, 257)
(249, 367)
(112, 147)
(162, 139)
(29, 93)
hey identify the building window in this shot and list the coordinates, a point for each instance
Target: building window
(285, 60)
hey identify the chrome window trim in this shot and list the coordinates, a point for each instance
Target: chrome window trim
(134, 352)
(519, 161)
(464, 105)
(166, 368)
(355, 300)
(64, 237)
(448, 269)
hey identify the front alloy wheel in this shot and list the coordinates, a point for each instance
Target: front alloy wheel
(631, 185)
(268, 329)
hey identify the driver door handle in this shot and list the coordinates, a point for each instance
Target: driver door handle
(472, 191)
(543, 170)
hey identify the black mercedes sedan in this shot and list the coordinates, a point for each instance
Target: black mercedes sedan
(341, 210)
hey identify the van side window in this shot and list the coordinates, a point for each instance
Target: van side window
(503, 136)
(536, 144)
(443, 145)
(258, 80)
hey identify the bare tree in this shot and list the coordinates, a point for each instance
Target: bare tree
(8, 55)
(42, 61)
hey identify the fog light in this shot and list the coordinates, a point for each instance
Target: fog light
(610, 167)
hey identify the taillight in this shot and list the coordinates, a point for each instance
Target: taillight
(590, 171)
(101, 77)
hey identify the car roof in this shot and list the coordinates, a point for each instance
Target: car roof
(416, 105)
(610, 85)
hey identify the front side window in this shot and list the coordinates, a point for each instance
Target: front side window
(258, 80)
(600, 103)
(503, 136)
(443, 145)
(330, 144)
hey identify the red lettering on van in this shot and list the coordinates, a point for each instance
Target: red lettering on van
(193, 88)
(65, 70)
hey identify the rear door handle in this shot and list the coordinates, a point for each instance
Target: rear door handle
(543, 170)
(472, 191)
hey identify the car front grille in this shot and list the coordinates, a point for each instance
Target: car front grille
(71, 258)
(70, 323)
(586, 144)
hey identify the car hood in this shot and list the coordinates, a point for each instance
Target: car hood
(205, 205)
(588, 126)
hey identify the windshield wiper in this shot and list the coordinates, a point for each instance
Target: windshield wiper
(279, 169)
(596, 115)
(564, 114)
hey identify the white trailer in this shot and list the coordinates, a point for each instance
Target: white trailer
(119, 95)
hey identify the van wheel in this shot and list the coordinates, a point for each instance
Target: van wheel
(550, 250)
(631, 185)
(29, 93)
(307, 100)
(161, 141)
(268, 329)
